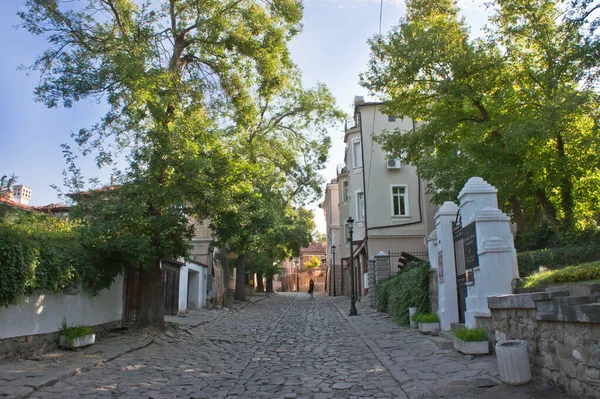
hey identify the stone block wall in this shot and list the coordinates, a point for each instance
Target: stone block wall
(565, 352)
(28, 346)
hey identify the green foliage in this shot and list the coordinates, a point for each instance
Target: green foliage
(426, 318)
(471, 334)
(587, 272)
(383, 294)
(73, 332)
(538, 237)
(556, 258)
(38, 253)
(410, 288)
(312, 263)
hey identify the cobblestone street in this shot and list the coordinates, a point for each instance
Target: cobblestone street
(284, 346)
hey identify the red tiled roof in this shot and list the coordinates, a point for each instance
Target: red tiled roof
(314, 247)
(52, 208)
(14, 204)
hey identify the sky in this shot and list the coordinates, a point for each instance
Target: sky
(331, 49)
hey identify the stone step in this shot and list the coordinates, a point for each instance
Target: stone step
(448, 335)
(441, 342)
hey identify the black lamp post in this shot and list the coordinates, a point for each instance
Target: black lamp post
(297, 275)
(353, 311)
(333, 267)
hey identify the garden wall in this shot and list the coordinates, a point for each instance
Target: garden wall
(562, 329)
(33, 325)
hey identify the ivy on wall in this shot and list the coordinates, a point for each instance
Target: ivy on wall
(410, 288)
(40, 253)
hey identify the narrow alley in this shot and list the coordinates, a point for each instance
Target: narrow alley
(286, 346)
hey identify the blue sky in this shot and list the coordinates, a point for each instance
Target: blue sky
(331, 49)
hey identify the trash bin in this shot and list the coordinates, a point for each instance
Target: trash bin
(411, 313)
(513, 362)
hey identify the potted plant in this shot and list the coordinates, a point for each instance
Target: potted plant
(427, 322)
(471, 341)
(75, 336)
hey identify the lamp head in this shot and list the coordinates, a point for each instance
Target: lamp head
(350, 222)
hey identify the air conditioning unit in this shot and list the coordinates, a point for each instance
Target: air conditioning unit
(393, 163)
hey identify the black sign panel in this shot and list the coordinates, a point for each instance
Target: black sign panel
(470, 245)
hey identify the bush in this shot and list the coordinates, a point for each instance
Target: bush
(426, 318)
(410, 288)
(569, 274)
(556, 258)
(383, 294)
(471, 334)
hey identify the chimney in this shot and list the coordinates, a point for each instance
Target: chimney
(359, 100)
(21, 193)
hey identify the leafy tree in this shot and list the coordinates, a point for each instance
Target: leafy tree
(277, 159)
(512, 109)
(167, 70)
(312, 263)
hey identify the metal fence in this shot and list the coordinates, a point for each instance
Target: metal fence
(400, 259)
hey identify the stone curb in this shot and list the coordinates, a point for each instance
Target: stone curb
(23, 388)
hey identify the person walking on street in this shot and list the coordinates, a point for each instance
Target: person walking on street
(311, 288)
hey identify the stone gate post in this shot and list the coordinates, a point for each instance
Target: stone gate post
(443, 258)
(496, 261)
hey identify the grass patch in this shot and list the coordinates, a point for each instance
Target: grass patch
(586, 272)
(73, 332)
(471, 334)
(426, 318)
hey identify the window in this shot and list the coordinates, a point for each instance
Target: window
(360, 206)
(399, 201)
(391, 118)
(356, 154)
(345, 195)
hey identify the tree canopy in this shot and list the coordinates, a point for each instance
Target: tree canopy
(205, 102)
(517, 107)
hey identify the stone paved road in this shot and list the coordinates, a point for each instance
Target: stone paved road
(289, 346)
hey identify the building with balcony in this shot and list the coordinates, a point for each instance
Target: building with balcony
(385, 196)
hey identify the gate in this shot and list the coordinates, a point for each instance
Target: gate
(170, 275)
(459, 262)
(465, 259)
(132, 296)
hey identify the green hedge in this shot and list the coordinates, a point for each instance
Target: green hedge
(410, 288)
(37, 253)
(557, 258)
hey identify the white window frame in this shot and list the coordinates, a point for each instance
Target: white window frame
(345, 191)
(406, 200)
(360, 216)
(357, 158)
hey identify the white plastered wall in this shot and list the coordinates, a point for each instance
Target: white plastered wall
(43, 314)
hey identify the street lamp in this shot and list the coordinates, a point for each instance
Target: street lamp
(353, 311)
(296, 260)
(333, 267)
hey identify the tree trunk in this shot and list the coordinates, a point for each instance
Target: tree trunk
(517, 212)
(548, 208)
(270, 284)
(566, 185)
(151, 297)
(240, 278)
(260, 287)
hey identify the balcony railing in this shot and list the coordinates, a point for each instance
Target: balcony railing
(352, 123)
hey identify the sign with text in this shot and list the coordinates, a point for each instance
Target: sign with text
(470, 246)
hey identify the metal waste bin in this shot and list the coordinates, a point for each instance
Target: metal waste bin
(513, 362)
